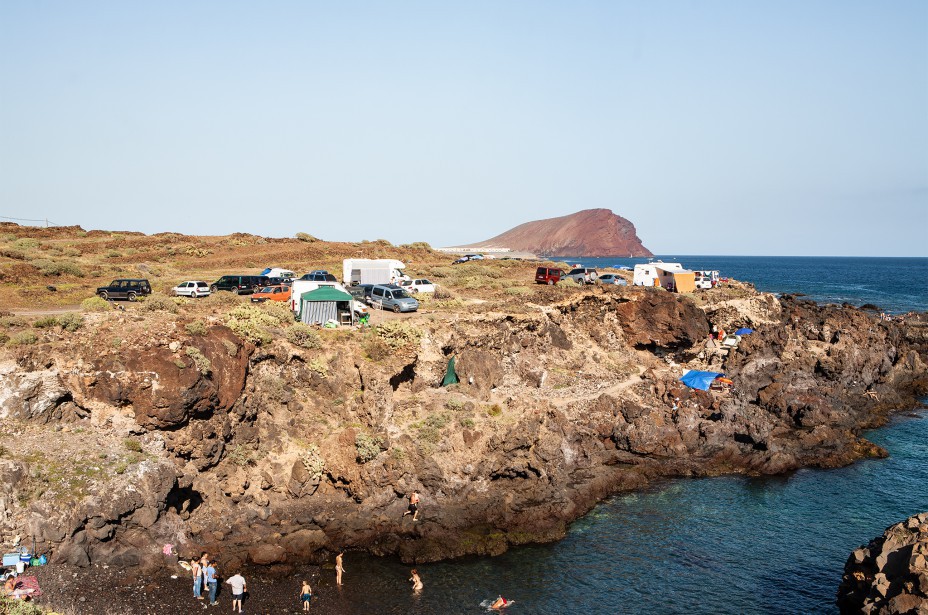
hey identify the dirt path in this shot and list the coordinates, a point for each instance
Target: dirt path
(45, 311)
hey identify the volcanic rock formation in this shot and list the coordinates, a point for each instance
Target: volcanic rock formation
(591, 232)
(889, 576)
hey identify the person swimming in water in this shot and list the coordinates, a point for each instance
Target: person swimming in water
(415, 580)
(501, 603)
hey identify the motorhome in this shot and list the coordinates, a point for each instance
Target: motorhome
(372, 271)
(278, 272)
(671, 276)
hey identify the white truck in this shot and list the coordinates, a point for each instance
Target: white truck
(372, 271)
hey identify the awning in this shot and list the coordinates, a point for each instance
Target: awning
(699, 380)
(325, 293)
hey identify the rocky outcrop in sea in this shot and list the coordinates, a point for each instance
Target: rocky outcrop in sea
(889, 576)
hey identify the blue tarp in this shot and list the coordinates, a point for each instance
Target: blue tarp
(266, 271)
(744, 331)
(699, 380)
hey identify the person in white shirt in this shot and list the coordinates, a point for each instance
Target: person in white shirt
(239, 587)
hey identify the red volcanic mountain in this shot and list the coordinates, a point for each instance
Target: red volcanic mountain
(591, 232)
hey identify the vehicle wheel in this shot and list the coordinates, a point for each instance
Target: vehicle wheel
(550, 282)
(396, 309)
(104, 295)
(213, 288)
(131, 297)
(234, 291)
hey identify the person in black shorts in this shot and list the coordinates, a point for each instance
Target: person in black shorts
(413, 506)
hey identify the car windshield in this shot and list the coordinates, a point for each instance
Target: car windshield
(399, 293)
(267, 289)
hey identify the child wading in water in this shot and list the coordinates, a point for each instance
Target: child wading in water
(306, 594)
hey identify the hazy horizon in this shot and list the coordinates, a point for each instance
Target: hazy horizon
(716, 128)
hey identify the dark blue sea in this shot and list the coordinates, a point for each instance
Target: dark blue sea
(896, 285)
(714, 546)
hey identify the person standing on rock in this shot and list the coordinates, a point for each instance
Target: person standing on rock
(213, 582)
(339, 569)
(239, 588)
(413, 506)
(197, 571)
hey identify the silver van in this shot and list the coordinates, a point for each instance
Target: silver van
(392, 297)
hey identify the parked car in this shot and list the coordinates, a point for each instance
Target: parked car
(392, 297)
(239, 284)
(271, 293)
(583, 275)
(319, 276)
(420, 285)
(193, 289)
(548, 275)
(130, 289)
(274, 281)
(611, 278)
(468, 257)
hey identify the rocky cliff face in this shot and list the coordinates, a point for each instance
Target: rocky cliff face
(889, 576)
(592, 232)
(277, 453)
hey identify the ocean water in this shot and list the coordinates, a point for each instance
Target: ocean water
(897, 285)
(720, 545)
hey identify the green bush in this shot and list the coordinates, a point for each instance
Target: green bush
(56, 268)
(222, 299)
(304, 336)
(518, 291)
(46, 322)
(9, 606)
(71, 321)
(467, 423)
(241, 455)
(250, 322)
(199, 359)
(313, 461)
(95, 304)
(417, 245)
(133, 445)
(12, 321)
(23, 338)
(443, 293)
(306, 237)
(197, 327)
(26, 243)
(156, 302)
(368, 447)
(398, 334)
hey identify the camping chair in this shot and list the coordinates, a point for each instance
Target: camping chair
(344, 318)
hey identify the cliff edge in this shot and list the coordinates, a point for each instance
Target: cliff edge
(591, 232)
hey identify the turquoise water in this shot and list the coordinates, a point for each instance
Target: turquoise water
(895, 284)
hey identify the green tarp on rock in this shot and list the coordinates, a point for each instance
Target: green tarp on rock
(451, 376)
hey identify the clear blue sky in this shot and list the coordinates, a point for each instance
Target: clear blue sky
(715, 127)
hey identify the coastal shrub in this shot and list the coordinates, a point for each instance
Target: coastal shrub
(156, 302)
(320, 367)
(199, 359)
(46, 322)
(313, 461)
(306, 237)
(222, 299)
(95, 304)
(398, 452)
(304, 336)
(376, 349)
(197, 327)
(241, 455)
(9, 606)
(443, 272)
(367, 446)
(197, 252)
(12, 321)
(454, 404)
(467, 423)
(26, 243)
(417, 245)
(231, 347)
(132, 445)
(494, 410)
(398, 334)
(250, 322)
(71, 321)
(23, 338)
(518, 291)
(113, 254)
(15, 255)
(56, 268)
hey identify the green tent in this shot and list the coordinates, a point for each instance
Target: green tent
(324, 304)
(451, 376)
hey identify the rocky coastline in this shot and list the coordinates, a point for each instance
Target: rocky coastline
(889, 576)
(278, 455)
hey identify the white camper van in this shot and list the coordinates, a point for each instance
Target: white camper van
(372, 271)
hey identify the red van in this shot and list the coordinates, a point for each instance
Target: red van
(548, 275)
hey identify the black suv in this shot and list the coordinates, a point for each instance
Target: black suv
(125, 289)
(239, 284)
